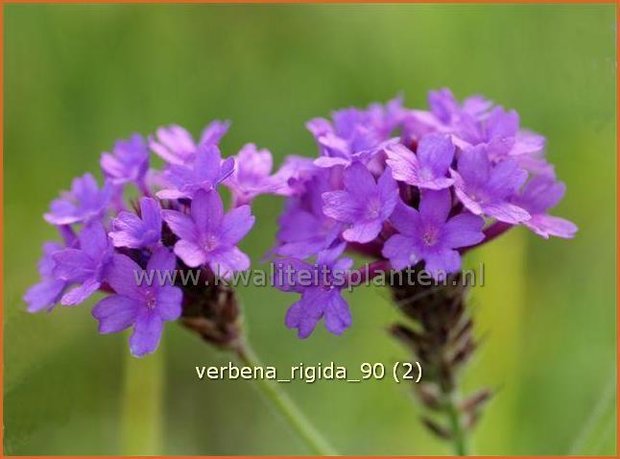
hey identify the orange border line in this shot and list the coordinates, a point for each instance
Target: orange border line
(3, 2)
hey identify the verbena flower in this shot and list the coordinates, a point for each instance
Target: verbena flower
(404, 187)
(538, 196)
(412, 187)
(320, 285)
(203, 172)
(208, 236)
(87, 265)
(486, 189)
(128, 161)
(175, 144)
(252, 176)
(143, 307)
(364, 204)
(85, 202)
(129, 250)
(304, 229)
(428, 168)
(354, 133)
(44, 295)
(430, 234)
(138, 231)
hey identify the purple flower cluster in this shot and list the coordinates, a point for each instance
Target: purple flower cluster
(410, 186)
(177, 221)
(405, 187)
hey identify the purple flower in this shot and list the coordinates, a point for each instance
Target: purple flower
(428, 167)
(539, 195)
(176, 146)
(355, 134)
(429, 235)
(145, 307)
(320, 286)
(44, 295)
(363, 204)
(476, 121)
(251, 175)
(84, 203)
(205, 171)
(447, 109)
(128, 161)
(304, 229)
(446, 113)
(87, 265)
(486, 189)
(208, 236)
(293, 175)
(137, 232)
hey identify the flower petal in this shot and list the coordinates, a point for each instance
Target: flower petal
(506, 212)
(44, 295)
(363, 232)
(435, 206)
(191, 254)
(81, 293)
(548, 225)
(207, 211)
(400, 250)
(169, 302)
(147, 334)
(436, 152)
(226, 262)
(462, 230)
(182, 225)
(337, 314)
(236, 224)
(115, 313)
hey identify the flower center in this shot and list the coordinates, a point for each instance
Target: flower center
(151, 300)
(210, 242)
(430, 236)
(426, 174)
(373, 209)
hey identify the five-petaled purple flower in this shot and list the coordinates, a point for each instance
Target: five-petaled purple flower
(429, 234)
(128, 161)
(251, 176)
(137, 232)
(44, 295)
(539, 195)
(87, 265)
(428, 167)
(145, 307)
(84, 203)
(204, 172)
(176, 146)
(320, 285)
(363, 204)
(304, 229)
(355, 134)
(209, 236)
(486, 189)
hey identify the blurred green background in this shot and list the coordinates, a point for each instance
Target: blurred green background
(78, 77)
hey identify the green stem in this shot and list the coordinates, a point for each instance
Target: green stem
(458, 433)
(142, 404)
(281, 401)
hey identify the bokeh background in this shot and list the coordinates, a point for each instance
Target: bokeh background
(78, 77)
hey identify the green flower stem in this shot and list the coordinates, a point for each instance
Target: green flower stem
(141, 426)
(287, 408)
(459, 436)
